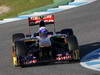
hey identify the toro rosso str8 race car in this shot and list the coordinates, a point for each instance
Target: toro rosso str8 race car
(62, 47)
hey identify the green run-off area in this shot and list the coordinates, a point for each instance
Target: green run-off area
(18, 6)
(12, 8)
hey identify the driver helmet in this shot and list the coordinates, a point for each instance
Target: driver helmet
(43, 31)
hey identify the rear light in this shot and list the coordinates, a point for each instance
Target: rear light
(70, 57)
(58, 58)
(34, 61)
(62, 58)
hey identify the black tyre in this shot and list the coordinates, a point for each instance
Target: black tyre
(20, 52)
(17, 36)
(20, 48)
(68, 32)
(15, 50)
(73, 47)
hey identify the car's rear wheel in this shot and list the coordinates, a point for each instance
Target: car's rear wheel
(17, 48)
(18, 52)
(20, 48)
(73, 47)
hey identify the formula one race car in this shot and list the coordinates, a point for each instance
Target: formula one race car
(27, 50)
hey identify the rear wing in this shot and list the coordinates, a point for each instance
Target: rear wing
(49, 19)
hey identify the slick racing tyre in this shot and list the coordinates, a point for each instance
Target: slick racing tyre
(20, 48)
(20, 51)
(73, 47)
(17, 47)
(68, 32)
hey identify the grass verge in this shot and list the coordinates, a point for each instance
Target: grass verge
(18, 6)
(44, 8)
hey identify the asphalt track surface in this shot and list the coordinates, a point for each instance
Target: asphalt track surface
(84, 20)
